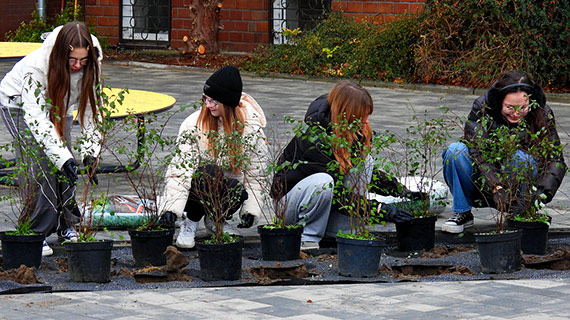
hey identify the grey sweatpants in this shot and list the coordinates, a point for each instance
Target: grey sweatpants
(310, 200)
(52, 202)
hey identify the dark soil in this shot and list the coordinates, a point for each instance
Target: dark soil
(443, 263)
(174, 58)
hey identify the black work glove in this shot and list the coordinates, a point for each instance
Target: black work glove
(167, 219)
(246, 221)
(69, 168)
(393, 214)
(90, 162)
(416, 195)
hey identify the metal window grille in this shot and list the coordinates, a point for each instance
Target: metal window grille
(291, 14)
(145, 23)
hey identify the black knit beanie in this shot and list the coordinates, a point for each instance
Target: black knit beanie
(225, 86)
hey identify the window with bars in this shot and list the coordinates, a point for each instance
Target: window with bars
(291, 14)
(145, 22)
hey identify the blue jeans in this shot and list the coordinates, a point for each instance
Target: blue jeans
(458, 174)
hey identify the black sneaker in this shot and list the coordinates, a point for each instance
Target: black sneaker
(457, 222)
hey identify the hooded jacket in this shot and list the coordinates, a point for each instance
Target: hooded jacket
(551, 178)
(179, 176)
(20, 87)
(305, 151)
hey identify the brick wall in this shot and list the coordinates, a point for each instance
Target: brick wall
(379, 11)
(13, 12)
(246, 25)
(245, 22)
(104, 15)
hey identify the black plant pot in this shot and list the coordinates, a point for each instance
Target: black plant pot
(534, 237)
(499, 252)
(18, 250)
(280, 244)
(149, 246)
(358, 258)
(416, 234)
(220, 261)
(89, 261)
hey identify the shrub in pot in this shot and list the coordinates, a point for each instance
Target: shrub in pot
(88, 258)
(145, 173)
(215, 187)
(22, 245)
(279, 240)
(414, 157)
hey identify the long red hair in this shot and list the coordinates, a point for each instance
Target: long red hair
(233, 119)
(349, 102)
(72, 35)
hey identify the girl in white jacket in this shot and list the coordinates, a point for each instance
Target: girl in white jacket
(37, 99)
(225, 109)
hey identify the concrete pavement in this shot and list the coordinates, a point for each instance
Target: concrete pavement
(483, 300)
(512, 299)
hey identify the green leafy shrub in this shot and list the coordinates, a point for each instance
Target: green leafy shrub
(32, 31)
(341, 47)
(472, 42)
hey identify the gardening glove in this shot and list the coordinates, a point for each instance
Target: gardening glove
(69, 169)
(416, 195)
(393, 214)
(246, 221)
(90, 162)
(168, 218)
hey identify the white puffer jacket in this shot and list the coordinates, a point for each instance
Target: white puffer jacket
(179, 177)
(18, 90)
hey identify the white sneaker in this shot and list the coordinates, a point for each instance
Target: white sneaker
(187, 234)
(68, 234)
(46, 250)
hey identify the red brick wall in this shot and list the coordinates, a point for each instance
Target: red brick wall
(246, 25)
(245, 22)
(13, 12)
(379, 11)
(104, 15)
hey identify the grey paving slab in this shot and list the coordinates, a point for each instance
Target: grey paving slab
(506, 299)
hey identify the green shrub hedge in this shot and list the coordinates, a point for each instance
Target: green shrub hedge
(31, 31)
(340, 47)
(467, 42)
(471, 42)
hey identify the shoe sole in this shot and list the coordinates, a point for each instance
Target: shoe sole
(456, 229)
(47, 253)
(183, 246)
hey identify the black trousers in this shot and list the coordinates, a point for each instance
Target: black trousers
(212, 193)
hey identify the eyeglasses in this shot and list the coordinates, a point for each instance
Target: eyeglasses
(207, 100)
(518, 109)
(83, 62)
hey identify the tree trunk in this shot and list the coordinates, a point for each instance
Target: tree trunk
(205, 16)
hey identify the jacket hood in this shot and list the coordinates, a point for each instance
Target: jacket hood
(319, 112)
(49, 42)
(255, 114)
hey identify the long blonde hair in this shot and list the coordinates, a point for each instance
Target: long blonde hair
(233, 119)
(349, 102)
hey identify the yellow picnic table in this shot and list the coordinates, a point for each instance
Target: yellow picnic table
(17, 49)
(138, 103)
